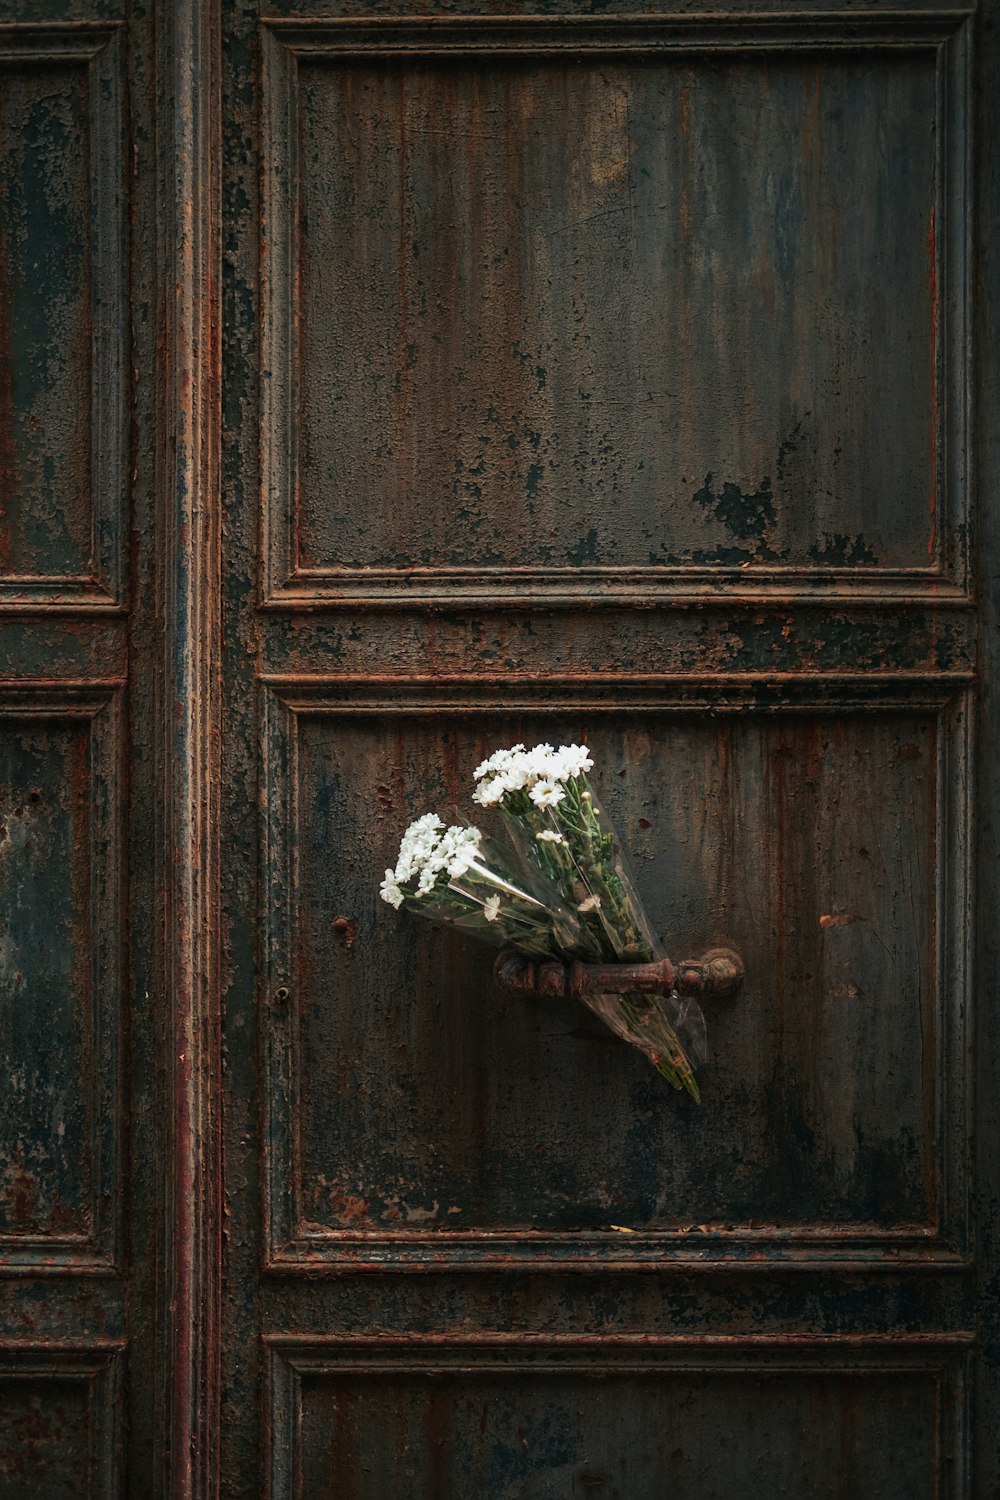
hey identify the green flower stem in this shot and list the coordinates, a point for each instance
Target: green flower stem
(584, 864)
(521, 920)
(670, 1059)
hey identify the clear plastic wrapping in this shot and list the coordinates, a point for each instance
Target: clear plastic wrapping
(586, 863)
(563, 890)
(458, 878)
(574, 845)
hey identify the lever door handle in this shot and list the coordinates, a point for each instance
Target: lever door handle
(718, 973)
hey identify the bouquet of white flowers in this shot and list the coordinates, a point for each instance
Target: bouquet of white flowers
(563, 891)
(553, 815)
(462, 879)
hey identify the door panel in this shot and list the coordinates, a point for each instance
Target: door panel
(61, 941)
(82, 1218)
(827, 1069)
(613, 295)
(62, 1435)
(63, 325)
(601, 376)
(626, 1423)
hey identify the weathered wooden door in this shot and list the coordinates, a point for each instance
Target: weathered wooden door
(605, 376)
(378, 388)
(108, 999)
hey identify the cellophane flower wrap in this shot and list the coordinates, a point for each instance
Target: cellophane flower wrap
(561, 889)
(459, 878)
(554, 817)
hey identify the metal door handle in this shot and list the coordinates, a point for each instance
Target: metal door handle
(718, 973)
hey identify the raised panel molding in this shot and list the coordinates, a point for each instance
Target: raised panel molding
(476, 1410)
(298, 1244)
(65, 547)
(838, 568)
(60, 1428)
(38, 1236)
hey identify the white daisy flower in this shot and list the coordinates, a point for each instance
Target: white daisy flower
(491, 908)
(540, 760)
(590, 904)
(549, 836)
(546, 793)
(515, 776)
(496, 762)
(390, 891)
(575, 760)
(463, 850)
(489, 792)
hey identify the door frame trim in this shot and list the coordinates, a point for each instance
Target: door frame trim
(188, 458)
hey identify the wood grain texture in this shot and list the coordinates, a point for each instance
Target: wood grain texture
(61, 1012)
(60, 1431)
(623, 1417)
(188, 437)
(842, 1012)
(413, 204)
(63, 295)
(575, 354)
(76, 1118)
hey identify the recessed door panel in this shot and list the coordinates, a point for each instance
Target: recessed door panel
(822, 1107)
(619, 313)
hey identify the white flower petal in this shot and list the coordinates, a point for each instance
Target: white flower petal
(546, 793)
(390, 891)
(496, 762)
(489, 792)
(574, 760)
(463, 849)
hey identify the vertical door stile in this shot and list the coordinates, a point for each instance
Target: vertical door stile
(189, 509)
(984, 460)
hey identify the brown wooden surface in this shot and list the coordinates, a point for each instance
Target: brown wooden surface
(611, 375)
(376, 389)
